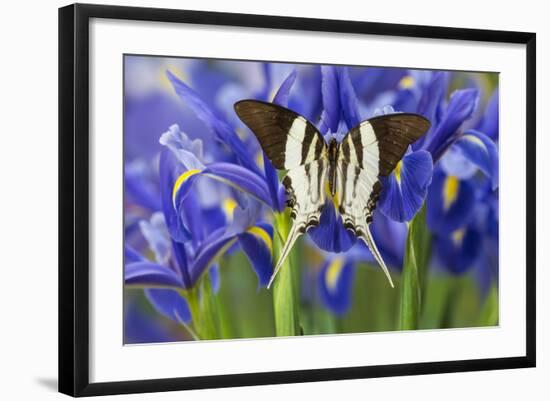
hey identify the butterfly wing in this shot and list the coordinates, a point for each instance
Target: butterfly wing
(288, 139)
(370, 151)
(291, 143)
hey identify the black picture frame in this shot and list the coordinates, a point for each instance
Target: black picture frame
(74, 198)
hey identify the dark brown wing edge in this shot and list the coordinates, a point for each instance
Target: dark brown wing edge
(271, 124)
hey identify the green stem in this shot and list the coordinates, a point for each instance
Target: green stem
(285, 289)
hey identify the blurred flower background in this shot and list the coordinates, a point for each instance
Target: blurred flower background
(205, 216)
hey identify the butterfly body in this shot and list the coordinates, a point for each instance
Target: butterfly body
(348, 171)
(333, 151)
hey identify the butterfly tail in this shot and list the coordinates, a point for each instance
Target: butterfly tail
(367, 237)
(290, 240)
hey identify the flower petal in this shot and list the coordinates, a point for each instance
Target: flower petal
(169, 171)
(336, 284)
(213, 247)
(450, 203)
(157, 236)
(330, 117)
(482, 151)
(222, 129)
(405, 189)
(348, 100)
(257, 244)
(462, 105)
(430, 101)
(149, 274)
(489, 124)
(170, 304)
(281, 97)
(330, 235)
(138, 187)
(131, 255)
(459, 251)
(240, 178)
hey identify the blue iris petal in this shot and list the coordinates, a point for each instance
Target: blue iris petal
(330, 118)
(403, 195)
(459, 251)
(335, 284)
(370, 82)
(242, 179)
(219, 241)
(462, 105)
(450, 203)
(222, 129)
(158, 239)
(151, 275)
(169, 171)
(258, 246)
(348, 100)
(330, 235)
(138, 188)
(131, 255)
(182, 263)
(489, 124)
(482, 151)
(213, 246)
(170, 304)
(454, 163)
(430, 102)
(281, 97)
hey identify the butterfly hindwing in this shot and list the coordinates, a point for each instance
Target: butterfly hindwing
(288, 139)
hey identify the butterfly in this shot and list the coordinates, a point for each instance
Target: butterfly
(348, 171)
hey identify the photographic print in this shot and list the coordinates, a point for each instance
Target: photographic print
(267, 199)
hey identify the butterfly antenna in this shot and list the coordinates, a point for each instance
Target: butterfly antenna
(367, 237)
(290, 240)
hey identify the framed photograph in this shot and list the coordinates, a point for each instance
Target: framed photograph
(250, 199)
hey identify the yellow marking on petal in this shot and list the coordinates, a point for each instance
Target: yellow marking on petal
(228, 206)
(450, 191)
(458, 236)
(407, 82)
(181, 179)
(333, 272)
(263, 235)
(397, 171)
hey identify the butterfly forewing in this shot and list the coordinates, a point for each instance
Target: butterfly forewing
(287, 139)
(372, 150)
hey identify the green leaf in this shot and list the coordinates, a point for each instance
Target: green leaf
(204, 310)
(285, 288)
(415, 266)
